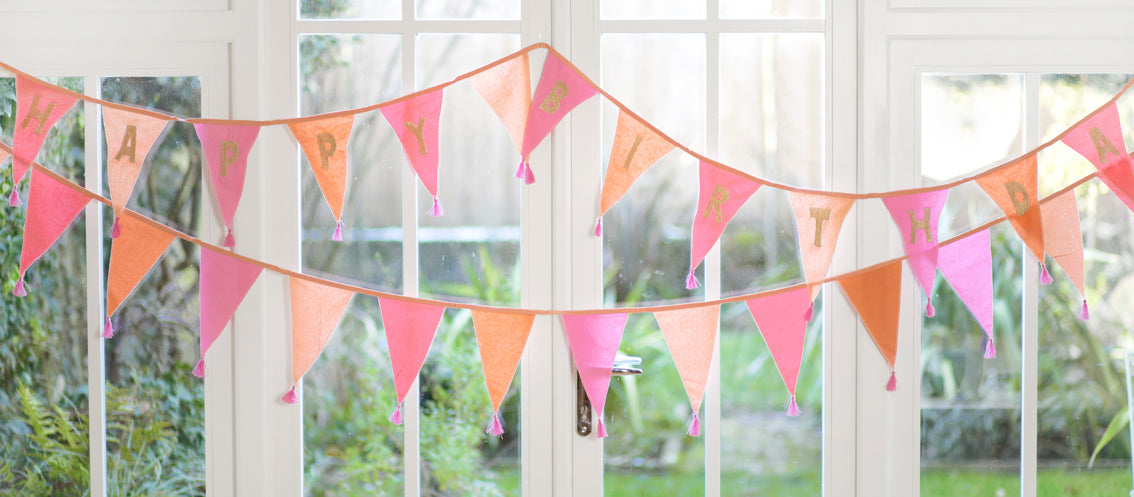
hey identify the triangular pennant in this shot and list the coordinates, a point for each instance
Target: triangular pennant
(325, 142)
(917, 216)
(691, 335)
(594, 340)
(636, 148)
(1064, 240)
(722, 194)
(316, 310)
(226, 153)
(500, 337)
(559, 90)
(417, 122)
(129, 138)
(1015, 191)
(38, 107)
(967, 265)
(508, 90)
(410, 327)
(876, 296)
(52, 206)
(783, 324)
(225, 280)
(818, 219)
(4, 154)
(132, 255)
(1099, 139)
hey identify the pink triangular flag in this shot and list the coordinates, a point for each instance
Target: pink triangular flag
(781, 318)
(1099, 139)
(129, 138)
(508, 90)
(917, 216)
(225, 280)
(560, 89)
(417, 122)
(691, 335)
(132, 255)
(38, 107)
(410, 327)
(226, 153)
(722, 194)
(316, 310)
(967, 265)
(818, 220)
(52, 206)
(500, 338)
(1063, 240)
(594, 340)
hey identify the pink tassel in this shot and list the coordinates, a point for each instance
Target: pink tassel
(892, 385)
(108, 330)
(496, 427)
(338, 236)
(793, 408)
(396, 417)
(694, 426)
(290, 397)
(20, 291)
(810, 313)
(229, 241)
(929, 310)
(1045, 277)
(436, 211)
(1084, 313)
(199, 369)
(14, 198)
(691, 281)
(115, 229)
(521, 168)
(989, 350)
(601, 430)
(598, 227)
(529, 177)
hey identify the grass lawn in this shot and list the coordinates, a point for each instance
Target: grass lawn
(1049, 483)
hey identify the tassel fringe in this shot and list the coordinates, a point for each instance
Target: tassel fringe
(108, 330)
(1084, 313)
(20, 290)
(396, 417)
(436, 211)
(929, 310)
(199, 369)
(14, 198)
(694, 426)
(892, 385)
(496, 427)
(810, 313)
(524, 171)
(338, 236)
(1045, 277)
(793, 408)
(115, 229)
(290, 397)
(990, 350)
(691, 281)
(600, 431)
(598, 227)
(229, 241)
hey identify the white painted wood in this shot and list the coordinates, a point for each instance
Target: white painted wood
(321, 26)
(96, 297)
(411, 406)
(1029, 378)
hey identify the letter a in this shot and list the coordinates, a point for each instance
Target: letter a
(129, 144)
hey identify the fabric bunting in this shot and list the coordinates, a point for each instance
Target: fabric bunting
(225, 281)
(781, 318)
(560, 89)
(636, 148)
(226, 153)
(967, 265)
(132, 255)
(818, 221)
(508, 90)
(594, 340)
(1064, 239)
(315, 313)
(500, 337)
(917, 216)
(1015, 191)
(876, 296)
(417, 122)
(691, 335)
(52, 206)
(4, 156)
(130, 137)
(1099, 139)
(38, 107)
(722, 194)
(325, 143)
(410, 327)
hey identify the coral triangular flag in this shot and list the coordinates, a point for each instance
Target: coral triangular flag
(38, 107)
(132, 255)
(636, 148)
(1015, 191)
(917, 216)
(559, 90)
(417, 122)
(226, 153)
(967, 265)
(410, 327)
(316, 310)
(225, 280)
(876, 296)
(129, 138)
(52, 206)
(325, 143)
(500, 337)
(594, 340)
(691, 335)
(818, 219)
(508, 90)
(722, 194)
(1099, 139)
(1064, 239)
(783, 324)
(4, 154)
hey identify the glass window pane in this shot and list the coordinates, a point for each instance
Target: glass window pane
(459, 9)
(772, 9)
(652, 9)
(350, 9)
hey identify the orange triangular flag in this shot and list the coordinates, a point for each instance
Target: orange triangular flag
(316, 310)
(130, 136)
(508, 90)
(877, 298)
(636, 148)
(1064, 240)
(132, 255)
(818, 221)
(324, 142)
(1014, 190)
(501, 337)
(690, 335)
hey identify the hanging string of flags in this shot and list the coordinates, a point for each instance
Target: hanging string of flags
(1048, 226)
